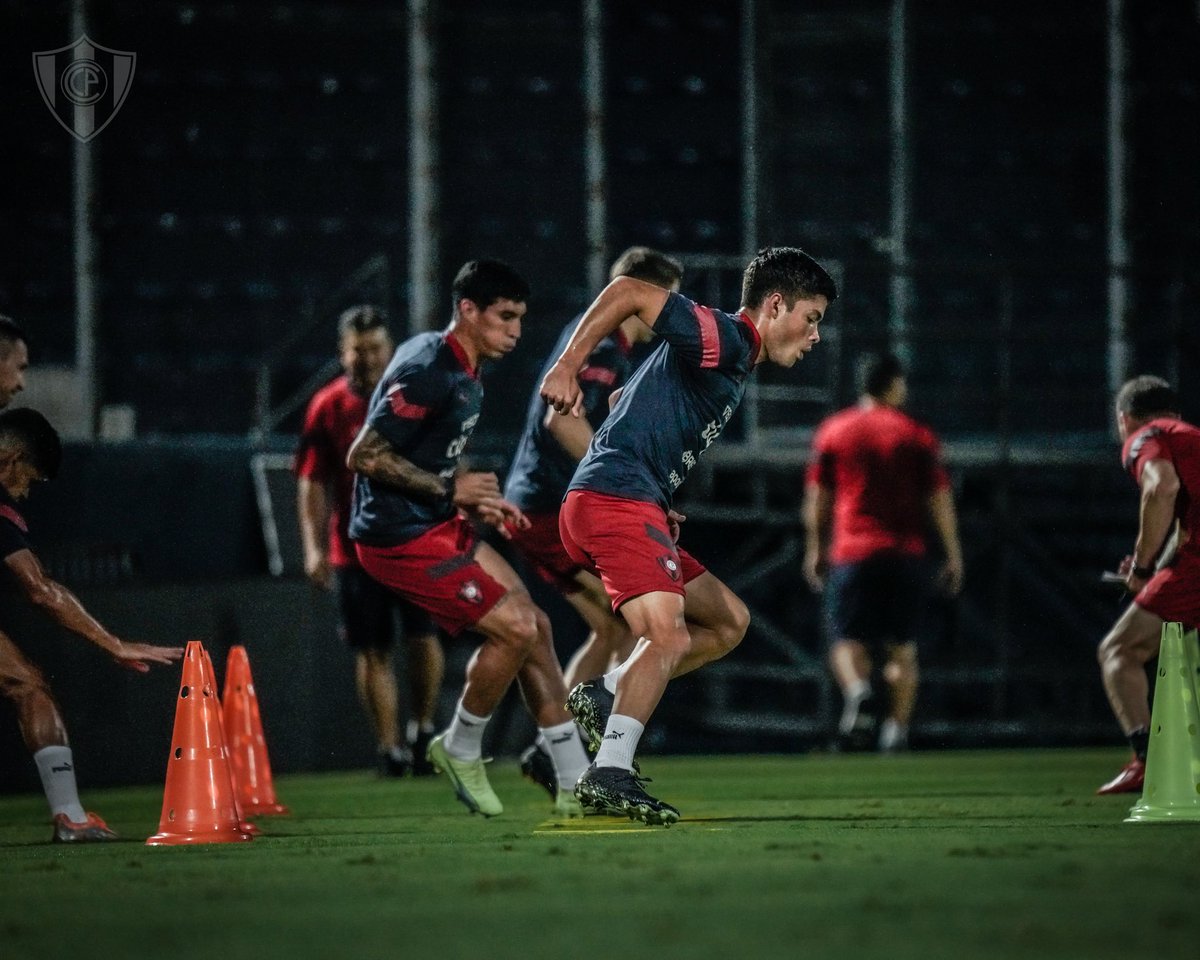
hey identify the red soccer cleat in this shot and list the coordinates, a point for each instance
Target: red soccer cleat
(1130, 779)
(92, 830)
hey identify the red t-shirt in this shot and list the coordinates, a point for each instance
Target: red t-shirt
(334, 416)
(1178, 443)
(881, 466)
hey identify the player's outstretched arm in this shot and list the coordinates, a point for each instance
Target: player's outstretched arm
(623, 298)
(64, 607)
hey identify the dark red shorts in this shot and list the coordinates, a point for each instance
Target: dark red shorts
(438, 572)
(542, 546)
(1174, 592)
(626, 543)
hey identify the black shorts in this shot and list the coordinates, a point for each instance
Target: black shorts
(367, 611)
(877, 600)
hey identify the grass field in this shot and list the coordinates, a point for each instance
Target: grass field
(973, 855)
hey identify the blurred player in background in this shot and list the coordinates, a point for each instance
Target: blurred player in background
(14, 358)
(617, 518)
(366, 609)
(30, 451)
(549, 450)
(1162, 453)
(411, 524)
(874, 480)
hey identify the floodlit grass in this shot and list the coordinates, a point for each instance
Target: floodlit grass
(963, 855)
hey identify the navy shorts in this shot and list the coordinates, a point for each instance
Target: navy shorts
(367, 611)
(877, 600)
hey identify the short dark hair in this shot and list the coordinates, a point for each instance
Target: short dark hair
(643, 263)
(786, 270)
(483, 282)
(37, 440)
(1144, 396)
(874, 373)
(361, 319)
(11, 332)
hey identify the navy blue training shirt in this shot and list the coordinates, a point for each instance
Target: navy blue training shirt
(674, 406)
(425, 406)
(542, 469)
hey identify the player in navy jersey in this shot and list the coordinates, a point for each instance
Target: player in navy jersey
(366, 609)
(617, 517)
(547, 454)
(873, 483)
(411, 524)
(30, 451)
(1162, 454)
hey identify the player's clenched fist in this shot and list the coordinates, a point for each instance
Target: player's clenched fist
(560, 389)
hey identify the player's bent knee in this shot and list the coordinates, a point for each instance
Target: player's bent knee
(733, 630)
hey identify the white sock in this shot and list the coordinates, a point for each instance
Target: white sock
(565, 749)
(613, 676)
(620, 742)
(464, 736)
(398, 752)
(415, 728)
(855, 695)
(57, 770)
(893, 735)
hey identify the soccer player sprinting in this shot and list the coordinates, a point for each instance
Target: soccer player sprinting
(366, 609)
(411, 524)
(547, 454)
(617, 517)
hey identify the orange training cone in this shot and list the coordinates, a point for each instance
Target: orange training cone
(198, 802)
(247, 746)
(210, 678)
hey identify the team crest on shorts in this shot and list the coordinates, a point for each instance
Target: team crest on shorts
(470, 592)
(670, 564)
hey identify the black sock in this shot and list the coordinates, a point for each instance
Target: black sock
(1140, 741)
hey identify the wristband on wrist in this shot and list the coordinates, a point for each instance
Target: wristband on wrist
(1142, 573)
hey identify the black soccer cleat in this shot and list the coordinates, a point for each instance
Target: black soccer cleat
(617, 791)
(591, 705)
(537, 767)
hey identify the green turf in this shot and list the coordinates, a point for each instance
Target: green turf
(972, 855)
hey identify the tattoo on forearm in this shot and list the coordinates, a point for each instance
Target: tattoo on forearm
(375, 458)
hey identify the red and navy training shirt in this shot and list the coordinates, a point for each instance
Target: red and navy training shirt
(425, 406)
(1178, 442)
(674, 406)
(542, 469)
(882, 466)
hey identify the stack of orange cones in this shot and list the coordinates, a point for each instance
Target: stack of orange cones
(210, 677)
(251, 766)
(199, 804)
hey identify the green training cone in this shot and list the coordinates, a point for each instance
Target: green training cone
(1172, 790)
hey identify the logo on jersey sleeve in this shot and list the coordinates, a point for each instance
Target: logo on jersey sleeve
(470, 592)
(402, 408)
(670, 565)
